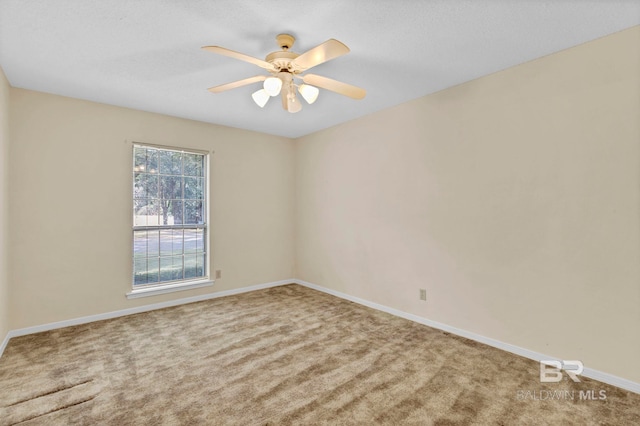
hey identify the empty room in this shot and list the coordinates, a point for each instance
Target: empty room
(302, 212)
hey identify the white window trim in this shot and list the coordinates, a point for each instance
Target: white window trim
(168, 288)
(206, 281)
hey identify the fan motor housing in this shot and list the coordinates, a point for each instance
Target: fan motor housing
(282, 59)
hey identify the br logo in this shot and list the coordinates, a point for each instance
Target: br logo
(551, 370)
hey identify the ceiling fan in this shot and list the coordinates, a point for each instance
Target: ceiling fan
(286, 67)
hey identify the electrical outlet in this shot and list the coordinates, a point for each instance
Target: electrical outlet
(218, 274)
(423, 294)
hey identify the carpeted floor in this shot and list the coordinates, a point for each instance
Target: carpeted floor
(285, 355)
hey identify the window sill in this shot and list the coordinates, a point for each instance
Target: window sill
(169, 288)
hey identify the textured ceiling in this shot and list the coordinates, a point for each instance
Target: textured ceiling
(145, 54)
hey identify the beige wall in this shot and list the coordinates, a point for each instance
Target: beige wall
(513, 199)
(71, 210)
(4, 205)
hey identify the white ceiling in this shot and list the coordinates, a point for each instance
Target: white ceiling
(145, 54)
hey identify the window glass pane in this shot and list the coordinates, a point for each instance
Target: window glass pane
(140, 270)
(170, 162)
(145, 212)
(139, 219)
(190, 241)
(165, 268)
(190, 266)
(193, 165)
(153, 243)
(145, 160)
(193, 213)
(200, 240)
(152, 161)
(152, 270)
(153, 212)
(200, 259)
(170, 242)
(177, 241)
(139, 159)
(140, 244)
(176, 212)
(171, 268)
(178, 267)
(170, 187)
(145, 185)
(166, 242)
(193, 188)
(139, 188)
(170, 212)
(145, 270)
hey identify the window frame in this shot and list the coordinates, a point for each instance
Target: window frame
(143, 290)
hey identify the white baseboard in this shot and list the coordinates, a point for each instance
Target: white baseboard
(536, 356)
(136, 310)
(4, 343)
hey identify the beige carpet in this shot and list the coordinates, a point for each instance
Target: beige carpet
(286, 355)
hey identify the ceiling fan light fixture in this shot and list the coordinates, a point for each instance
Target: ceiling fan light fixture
(309, 93)
(294, 107)
(293, 104)
(285, 65)
(260, 97)
(272, 86)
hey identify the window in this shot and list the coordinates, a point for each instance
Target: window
(169, 217)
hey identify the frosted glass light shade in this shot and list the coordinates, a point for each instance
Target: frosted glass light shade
(293, 104)
(272, 86)
(309, 93)
(260, 97)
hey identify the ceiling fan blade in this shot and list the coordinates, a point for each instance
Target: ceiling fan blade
(335, 86)
(241, 56)
(239, 83)
(324, 52)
